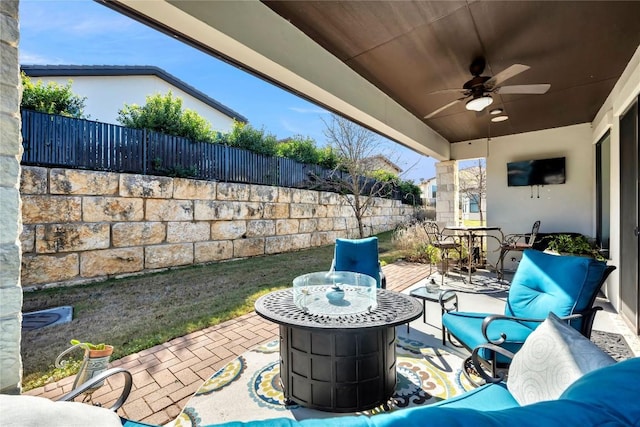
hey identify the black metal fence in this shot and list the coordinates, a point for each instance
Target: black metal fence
(58, 141)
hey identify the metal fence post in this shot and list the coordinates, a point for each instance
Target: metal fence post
(144, 151)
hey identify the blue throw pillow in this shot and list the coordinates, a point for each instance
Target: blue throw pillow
(614, 390)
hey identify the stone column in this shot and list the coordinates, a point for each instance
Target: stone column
(10, 217)
(447, 208)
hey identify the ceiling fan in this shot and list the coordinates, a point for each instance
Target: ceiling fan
(480, 87)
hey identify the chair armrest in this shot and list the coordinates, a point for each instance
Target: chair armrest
(512, 239)
(479, 367)
(383, 280)
(445, 296)
(128, 382)
(503, 337)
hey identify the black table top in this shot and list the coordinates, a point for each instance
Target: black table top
(394, 308)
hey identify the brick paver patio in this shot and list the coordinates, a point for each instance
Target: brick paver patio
(165, 376)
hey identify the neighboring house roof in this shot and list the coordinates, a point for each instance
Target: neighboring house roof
(381, 162)
(128, 70)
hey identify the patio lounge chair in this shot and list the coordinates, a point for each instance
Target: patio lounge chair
(543, 283)
(359, 256)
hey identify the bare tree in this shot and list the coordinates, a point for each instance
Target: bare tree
(473, 184)
(353, 145)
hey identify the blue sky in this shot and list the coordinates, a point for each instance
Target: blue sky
(86, 33)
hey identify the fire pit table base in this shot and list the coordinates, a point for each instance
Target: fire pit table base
(338, 370)
(338, 362)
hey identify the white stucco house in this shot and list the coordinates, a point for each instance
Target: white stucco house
(428, 191)
(108, 87)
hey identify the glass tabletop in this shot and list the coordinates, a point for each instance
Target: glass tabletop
(335, 293)
(431, 293)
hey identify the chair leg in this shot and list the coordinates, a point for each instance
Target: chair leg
(503, 252)
(445, 265)
(494, 363)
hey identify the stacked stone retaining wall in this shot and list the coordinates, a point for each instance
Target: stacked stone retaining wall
(84, 226)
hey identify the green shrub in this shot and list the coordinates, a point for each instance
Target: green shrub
(578, 245)
(299, 148)
(384, 176)
(413, 241)
(249, 138)
(51, 98)
(164, 113)
(327, 158)
(408, 187)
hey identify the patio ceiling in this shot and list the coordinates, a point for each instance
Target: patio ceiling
(377, 62)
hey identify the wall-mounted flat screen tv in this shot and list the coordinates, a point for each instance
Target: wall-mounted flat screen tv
(536, 172)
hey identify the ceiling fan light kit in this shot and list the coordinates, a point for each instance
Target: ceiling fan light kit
(480, 88)
(480, 103)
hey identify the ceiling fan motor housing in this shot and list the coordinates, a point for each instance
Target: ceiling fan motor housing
(475, 86)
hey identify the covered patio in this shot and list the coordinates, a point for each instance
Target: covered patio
(398, 68)
(378, 63)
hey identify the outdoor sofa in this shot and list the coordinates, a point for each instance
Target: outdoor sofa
(558, 378)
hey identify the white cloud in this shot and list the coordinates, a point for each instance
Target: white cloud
(308, 110)
(289, 127)
(30, 58)
(307, 129)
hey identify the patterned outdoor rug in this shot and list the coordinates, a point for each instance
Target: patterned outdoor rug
(613, 344)
(482, 282)
(248, 388)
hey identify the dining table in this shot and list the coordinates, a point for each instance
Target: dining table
(471, 234)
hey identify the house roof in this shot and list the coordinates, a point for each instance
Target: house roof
(384, 159)
(128, 70)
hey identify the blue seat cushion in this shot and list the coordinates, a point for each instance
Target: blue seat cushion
(489, 397)
(131, 423)
(467, 328)
(546, 283)
(614, 391)
(359, 256)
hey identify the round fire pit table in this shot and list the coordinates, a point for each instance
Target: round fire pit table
(338, 362)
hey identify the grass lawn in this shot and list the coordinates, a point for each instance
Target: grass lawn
(138, 312)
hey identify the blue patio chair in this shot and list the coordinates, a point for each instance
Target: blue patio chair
(359, 256)
(543, 283)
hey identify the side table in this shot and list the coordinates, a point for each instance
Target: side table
(448, 300)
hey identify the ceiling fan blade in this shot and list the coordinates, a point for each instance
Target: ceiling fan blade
(460, 91)
(444, 107)
(504, 75)
(538, 89)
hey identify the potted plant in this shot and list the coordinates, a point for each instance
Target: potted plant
(574, 245)
(95, 361)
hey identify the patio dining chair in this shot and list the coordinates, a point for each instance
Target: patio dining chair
(359, 256)
(543, 283)
(518, 243)
(445, 244)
